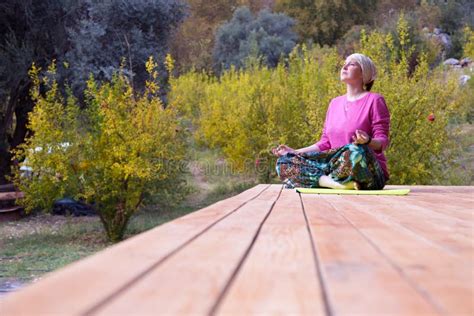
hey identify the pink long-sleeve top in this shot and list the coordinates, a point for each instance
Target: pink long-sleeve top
(343, 118)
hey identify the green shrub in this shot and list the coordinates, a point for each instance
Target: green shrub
(468, 47)
(124, 147)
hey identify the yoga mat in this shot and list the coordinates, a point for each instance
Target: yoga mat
(353, 192)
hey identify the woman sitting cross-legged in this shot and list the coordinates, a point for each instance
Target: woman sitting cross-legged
(349, 154)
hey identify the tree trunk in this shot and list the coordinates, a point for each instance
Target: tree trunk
(5, 159)
(5, 125)
(115, 221)
(22, 111)
(21, 104)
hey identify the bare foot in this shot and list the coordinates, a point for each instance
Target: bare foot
(328, 182)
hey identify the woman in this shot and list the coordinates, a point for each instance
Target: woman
(349, 154)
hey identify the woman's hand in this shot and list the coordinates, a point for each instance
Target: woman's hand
(283, 150)
(360, 137)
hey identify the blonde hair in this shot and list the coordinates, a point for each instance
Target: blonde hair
(369, 72)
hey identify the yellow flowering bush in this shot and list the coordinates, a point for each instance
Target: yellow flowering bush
(124, 147)
(468, 49)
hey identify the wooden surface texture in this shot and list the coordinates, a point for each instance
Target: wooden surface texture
(272, 251)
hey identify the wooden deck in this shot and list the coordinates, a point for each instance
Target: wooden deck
(273, 251)
(8, 209)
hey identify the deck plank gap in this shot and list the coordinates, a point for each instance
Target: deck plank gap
(220, 298)
(322, 283)
(95, 308)
(422, 292)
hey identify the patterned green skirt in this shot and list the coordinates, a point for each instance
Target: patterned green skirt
(347, 163)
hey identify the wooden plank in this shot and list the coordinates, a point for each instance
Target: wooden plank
(12, 209)
(435, 188)
(453, 208)
(279, 276)
(7, 187)
(451, 234)
(442, 278)
(461, 192)
(79, 286)
(448, 205)
(6, 196)
(357, 279)
(458, 189)
(191, 281)
(11, 213)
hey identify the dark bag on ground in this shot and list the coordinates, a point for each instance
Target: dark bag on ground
(68, 206)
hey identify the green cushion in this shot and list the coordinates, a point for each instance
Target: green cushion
(353, 192)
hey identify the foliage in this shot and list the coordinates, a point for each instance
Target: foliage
(350, 42)
(428, 14)
(417, 33)
(246, 112)
(337, 22)
(455, 14)
(267, 35)
(84, 36)
(107, 31)
(322, 21)
(29, 31)
(123, 148)
(194, 39)
(423, 17)
(468, 49)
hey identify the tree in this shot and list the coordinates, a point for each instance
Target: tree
(195, 38)
(325, 21)
(267, 35)
(29, 31)
(107, 31)
(84, 37)
(455, 14)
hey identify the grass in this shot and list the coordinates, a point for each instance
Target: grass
(461, 170)
(35, 245)
(463, 174)
(43, 243)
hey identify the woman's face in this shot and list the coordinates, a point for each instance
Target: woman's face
(351, 72)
